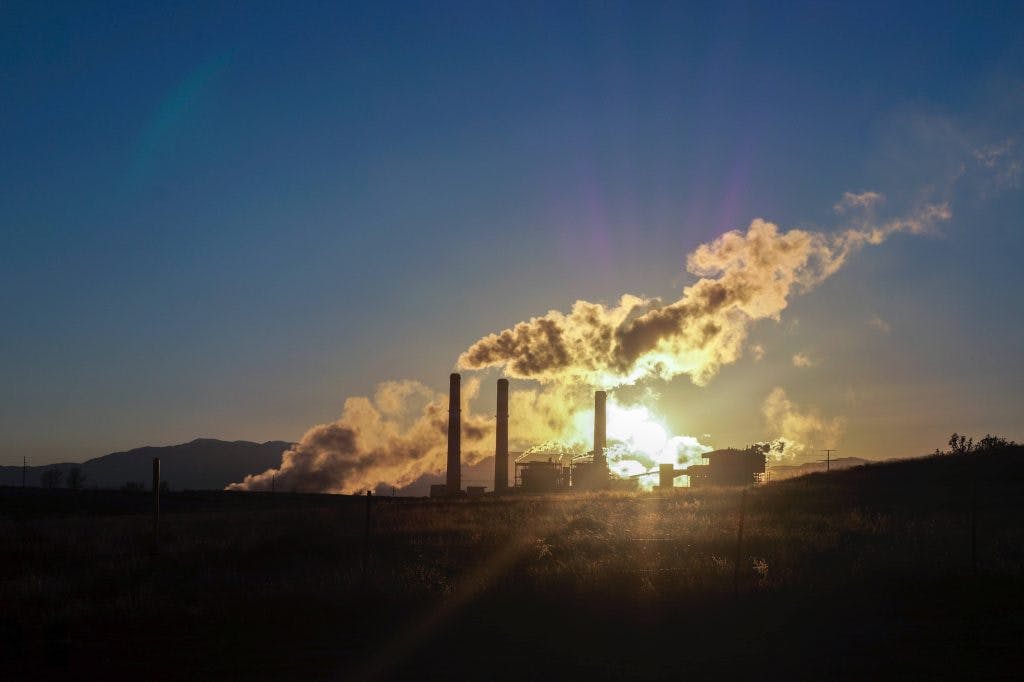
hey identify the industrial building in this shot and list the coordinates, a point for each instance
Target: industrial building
(727, 467)
(545, 472)
(589, 472)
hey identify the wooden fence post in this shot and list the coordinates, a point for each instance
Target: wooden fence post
(739, 544)
(366, 533)
(156, 502)
(972, 462)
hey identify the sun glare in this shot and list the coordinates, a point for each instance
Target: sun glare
(638, 439)
(637, 429)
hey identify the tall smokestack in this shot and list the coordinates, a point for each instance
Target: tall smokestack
(453, 485)
(599, 426)
(501, 439)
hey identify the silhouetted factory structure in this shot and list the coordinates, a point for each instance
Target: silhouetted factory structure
(724, 467)
(585, 472)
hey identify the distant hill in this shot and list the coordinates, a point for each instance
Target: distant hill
(202, 464)
(781, 472)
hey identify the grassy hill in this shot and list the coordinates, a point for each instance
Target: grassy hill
(780, 472)
(863, 573)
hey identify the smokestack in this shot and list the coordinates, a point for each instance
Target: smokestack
(453, 484)
(501, 439)
(599, 426)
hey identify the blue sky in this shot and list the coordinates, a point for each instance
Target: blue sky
(222, 220)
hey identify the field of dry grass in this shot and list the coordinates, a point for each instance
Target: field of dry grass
(835, 574)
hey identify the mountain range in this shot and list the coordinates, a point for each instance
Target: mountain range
(202, 464)
(210, 464)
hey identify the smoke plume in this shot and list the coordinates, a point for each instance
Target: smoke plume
(744, 276)
(802, 432)
(397, 437)
(400, 434)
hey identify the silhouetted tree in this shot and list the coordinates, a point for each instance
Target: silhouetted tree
(990, 443)
(76, 478)
(133, 486)
(51, 477)
(960, 444)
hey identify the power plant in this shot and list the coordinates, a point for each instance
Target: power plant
(588, 472)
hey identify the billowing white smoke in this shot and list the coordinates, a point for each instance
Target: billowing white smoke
(395, 438)
(801, 432)
(743, 277)
(401, 435)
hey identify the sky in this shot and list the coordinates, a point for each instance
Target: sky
(223, 220)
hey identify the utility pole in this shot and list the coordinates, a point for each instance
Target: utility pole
(828, 458)
(24, 469)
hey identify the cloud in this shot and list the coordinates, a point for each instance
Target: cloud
(940, 154)
(803, 431)
(1000, 164)
(744, 276)
(863, 200)
(757, 351)
(879, 324)
(803, 360)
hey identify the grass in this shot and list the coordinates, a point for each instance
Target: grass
(838, 574)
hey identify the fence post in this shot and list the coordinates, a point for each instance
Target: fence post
(972, 463)
(366, 533)
(739, 545)
(156, 503)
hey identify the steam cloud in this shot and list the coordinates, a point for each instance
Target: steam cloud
(375, 441)
(400, 434)
(744, 277)
(803, 360)
(801, 431)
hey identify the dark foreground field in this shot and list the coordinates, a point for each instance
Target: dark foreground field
(864, 573)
